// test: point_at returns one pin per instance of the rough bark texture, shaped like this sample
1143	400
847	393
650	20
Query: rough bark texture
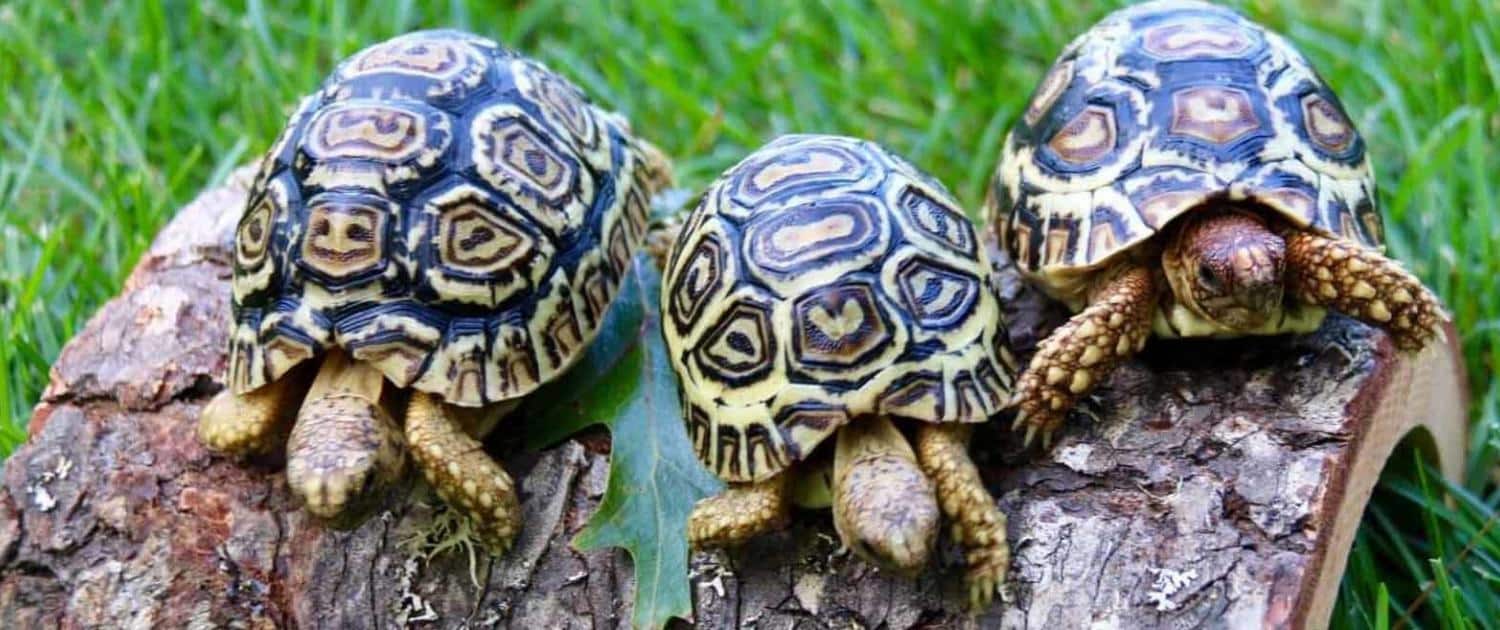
1218	484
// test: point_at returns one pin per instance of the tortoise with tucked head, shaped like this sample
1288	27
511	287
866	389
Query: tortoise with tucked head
439	229
824	288
1183	171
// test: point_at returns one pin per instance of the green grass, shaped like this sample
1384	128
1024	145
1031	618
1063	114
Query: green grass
116	114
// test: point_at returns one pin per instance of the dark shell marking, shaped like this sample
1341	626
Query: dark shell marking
446	210
820	280
1157	109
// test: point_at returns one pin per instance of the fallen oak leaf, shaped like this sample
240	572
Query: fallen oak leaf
625	382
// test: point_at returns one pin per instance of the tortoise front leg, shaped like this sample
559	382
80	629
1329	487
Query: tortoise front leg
978	525
253	423
741	512
1083	351
1363	284
461	472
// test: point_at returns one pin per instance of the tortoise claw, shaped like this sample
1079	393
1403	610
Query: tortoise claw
977	522
1366	285
1042	427
982	591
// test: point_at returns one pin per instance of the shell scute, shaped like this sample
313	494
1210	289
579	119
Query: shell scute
453	213
1158	109
821	280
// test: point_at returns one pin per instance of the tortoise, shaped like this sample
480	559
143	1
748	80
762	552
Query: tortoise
825	288
1183	171
439	230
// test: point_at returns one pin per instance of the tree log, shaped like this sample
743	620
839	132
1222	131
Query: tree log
1214	482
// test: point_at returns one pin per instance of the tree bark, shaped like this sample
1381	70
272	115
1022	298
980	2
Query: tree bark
1218	483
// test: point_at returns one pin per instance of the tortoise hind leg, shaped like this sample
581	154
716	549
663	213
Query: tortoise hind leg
1083	351
1363	284
740	513
658	167
978	525
457	467
253	423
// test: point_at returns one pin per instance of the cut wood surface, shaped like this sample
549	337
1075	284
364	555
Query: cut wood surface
1218	483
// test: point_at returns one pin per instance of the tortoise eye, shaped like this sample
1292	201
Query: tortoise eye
1206	276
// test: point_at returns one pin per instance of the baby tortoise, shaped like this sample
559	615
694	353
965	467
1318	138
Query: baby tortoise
442	226
1183	171
824	287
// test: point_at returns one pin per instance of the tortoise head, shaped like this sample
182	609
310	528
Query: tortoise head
886	512
1227	265
344	457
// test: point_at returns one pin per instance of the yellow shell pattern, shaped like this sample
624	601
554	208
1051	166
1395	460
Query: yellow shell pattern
1158	109
451	212
820	280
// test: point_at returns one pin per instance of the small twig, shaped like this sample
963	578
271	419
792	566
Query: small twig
1447	570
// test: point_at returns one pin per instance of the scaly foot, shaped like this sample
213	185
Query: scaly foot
1365	285
461	472
739	513
978	524
1082	352
253	423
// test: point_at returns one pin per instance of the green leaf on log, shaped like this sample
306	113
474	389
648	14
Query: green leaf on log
625	383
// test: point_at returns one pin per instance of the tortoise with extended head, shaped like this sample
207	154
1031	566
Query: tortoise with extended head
440	229
824	288
1183	171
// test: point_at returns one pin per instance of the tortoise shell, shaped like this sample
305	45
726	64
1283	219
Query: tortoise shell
1158	109
820	280
447	210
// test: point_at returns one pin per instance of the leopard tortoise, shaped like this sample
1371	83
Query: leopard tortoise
824	288
1182	170
437	232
